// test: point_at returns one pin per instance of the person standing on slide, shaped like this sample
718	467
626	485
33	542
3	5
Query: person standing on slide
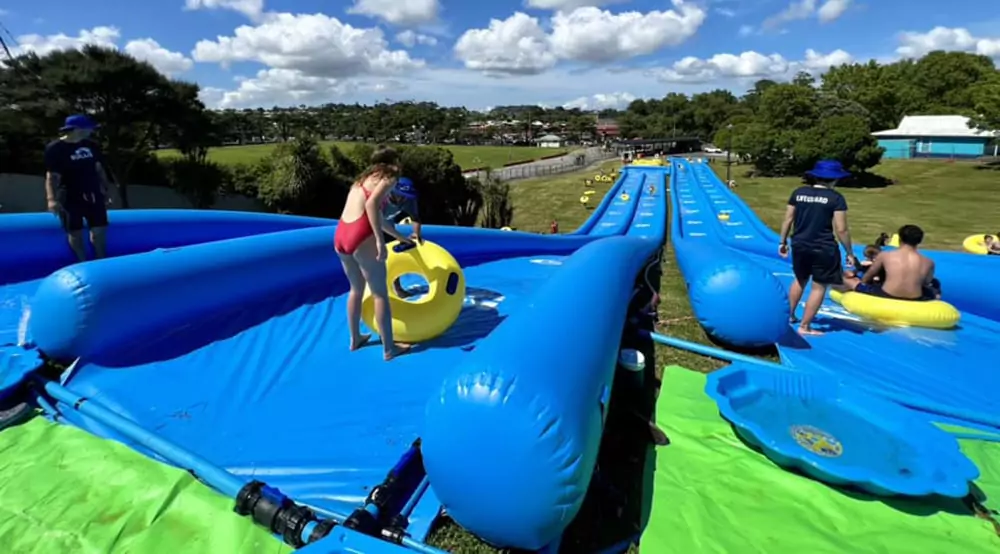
816	212
76	185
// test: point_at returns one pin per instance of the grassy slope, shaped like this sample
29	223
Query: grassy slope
465	156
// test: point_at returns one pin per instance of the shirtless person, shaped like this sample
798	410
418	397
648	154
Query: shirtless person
909	275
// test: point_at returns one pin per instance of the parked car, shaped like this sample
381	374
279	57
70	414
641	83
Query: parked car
709	149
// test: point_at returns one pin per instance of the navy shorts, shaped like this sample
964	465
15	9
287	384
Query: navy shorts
74	216
822	265
875	289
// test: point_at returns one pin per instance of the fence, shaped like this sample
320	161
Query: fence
574	161
939	151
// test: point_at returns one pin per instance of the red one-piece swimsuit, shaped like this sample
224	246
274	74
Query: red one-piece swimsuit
351	234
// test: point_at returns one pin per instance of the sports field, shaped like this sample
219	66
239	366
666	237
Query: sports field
468	157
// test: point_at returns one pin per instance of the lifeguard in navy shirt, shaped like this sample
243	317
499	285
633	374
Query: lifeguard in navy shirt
76	185
818	215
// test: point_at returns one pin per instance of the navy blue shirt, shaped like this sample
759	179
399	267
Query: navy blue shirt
76	163
814	208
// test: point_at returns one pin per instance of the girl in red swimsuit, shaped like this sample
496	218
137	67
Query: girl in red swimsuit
360	243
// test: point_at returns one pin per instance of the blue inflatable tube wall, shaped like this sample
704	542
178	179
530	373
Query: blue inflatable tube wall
34	245
149	294
511	440
736	300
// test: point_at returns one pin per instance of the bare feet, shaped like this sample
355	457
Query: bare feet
809	332
793	320
397	351
362	340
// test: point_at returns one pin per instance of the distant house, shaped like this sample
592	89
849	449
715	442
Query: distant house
934	136
607	128
550	141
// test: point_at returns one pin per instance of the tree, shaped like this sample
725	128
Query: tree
299	180
498	212
446	197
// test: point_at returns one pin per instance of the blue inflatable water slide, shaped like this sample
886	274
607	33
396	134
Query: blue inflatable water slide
738	288
217	342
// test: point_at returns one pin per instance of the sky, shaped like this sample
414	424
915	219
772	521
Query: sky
591	54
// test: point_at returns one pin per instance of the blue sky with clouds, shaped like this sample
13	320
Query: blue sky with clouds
586	53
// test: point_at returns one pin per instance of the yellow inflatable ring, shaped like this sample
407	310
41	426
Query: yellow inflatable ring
407	221
506	229
590	192
932	314
584	199
432	314
893	241
976	244
723	217
624	197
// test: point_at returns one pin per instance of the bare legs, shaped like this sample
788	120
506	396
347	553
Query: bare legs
357	280
363	269
77	244
816	294
98	237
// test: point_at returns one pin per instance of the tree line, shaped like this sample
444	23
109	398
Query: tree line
780	127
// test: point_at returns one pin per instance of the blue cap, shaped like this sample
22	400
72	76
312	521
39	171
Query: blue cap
405	188
79	121
828	169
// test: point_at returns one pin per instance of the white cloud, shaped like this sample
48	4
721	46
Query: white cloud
520	44
799	10
915	45
254	9
748	65
517	45
398	12
309	58
316	45
42	45
410	39
612	101
831	10
167	62
725	12
565	5
145	49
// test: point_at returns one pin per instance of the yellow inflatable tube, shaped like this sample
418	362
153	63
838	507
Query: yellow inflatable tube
932	314
649	162
976	244
432	314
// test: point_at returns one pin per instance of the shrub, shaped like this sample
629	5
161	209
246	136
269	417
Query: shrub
498	211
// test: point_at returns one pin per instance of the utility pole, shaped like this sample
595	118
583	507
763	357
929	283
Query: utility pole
729	152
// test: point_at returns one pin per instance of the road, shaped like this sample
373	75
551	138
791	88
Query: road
540	168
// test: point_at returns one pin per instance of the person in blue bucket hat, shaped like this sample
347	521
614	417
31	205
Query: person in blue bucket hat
77	184
818	215
402	204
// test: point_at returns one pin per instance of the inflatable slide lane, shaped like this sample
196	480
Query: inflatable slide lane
947	371
232	359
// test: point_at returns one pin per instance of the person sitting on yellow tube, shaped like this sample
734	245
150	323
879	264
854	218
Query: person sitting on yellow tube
870	253
992	245
909	275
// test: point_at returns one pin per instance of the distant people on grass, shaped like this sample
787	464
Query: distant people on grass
402	204
816	212
360	243
77	184
906	273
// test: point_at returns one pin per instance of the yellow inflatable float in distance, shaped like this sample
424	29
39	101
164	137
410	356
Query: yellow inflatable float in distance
930	314
976	244
430	315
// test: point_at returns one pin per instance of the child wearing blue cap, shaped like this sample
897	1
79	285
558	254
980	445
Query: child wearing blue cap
402	204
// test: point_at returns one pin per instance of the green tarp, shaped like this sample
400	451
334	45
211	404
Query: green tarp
711	494
65	491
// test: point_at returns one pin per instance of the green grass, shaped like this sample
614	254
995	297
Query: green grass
468	157
949	200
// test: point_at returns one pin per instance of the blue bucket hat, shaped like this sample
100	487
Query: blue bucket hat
405	188
78	121
828	169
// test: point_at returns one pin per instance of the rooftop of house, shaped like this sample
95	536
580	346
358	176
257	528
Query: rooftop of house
952	126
